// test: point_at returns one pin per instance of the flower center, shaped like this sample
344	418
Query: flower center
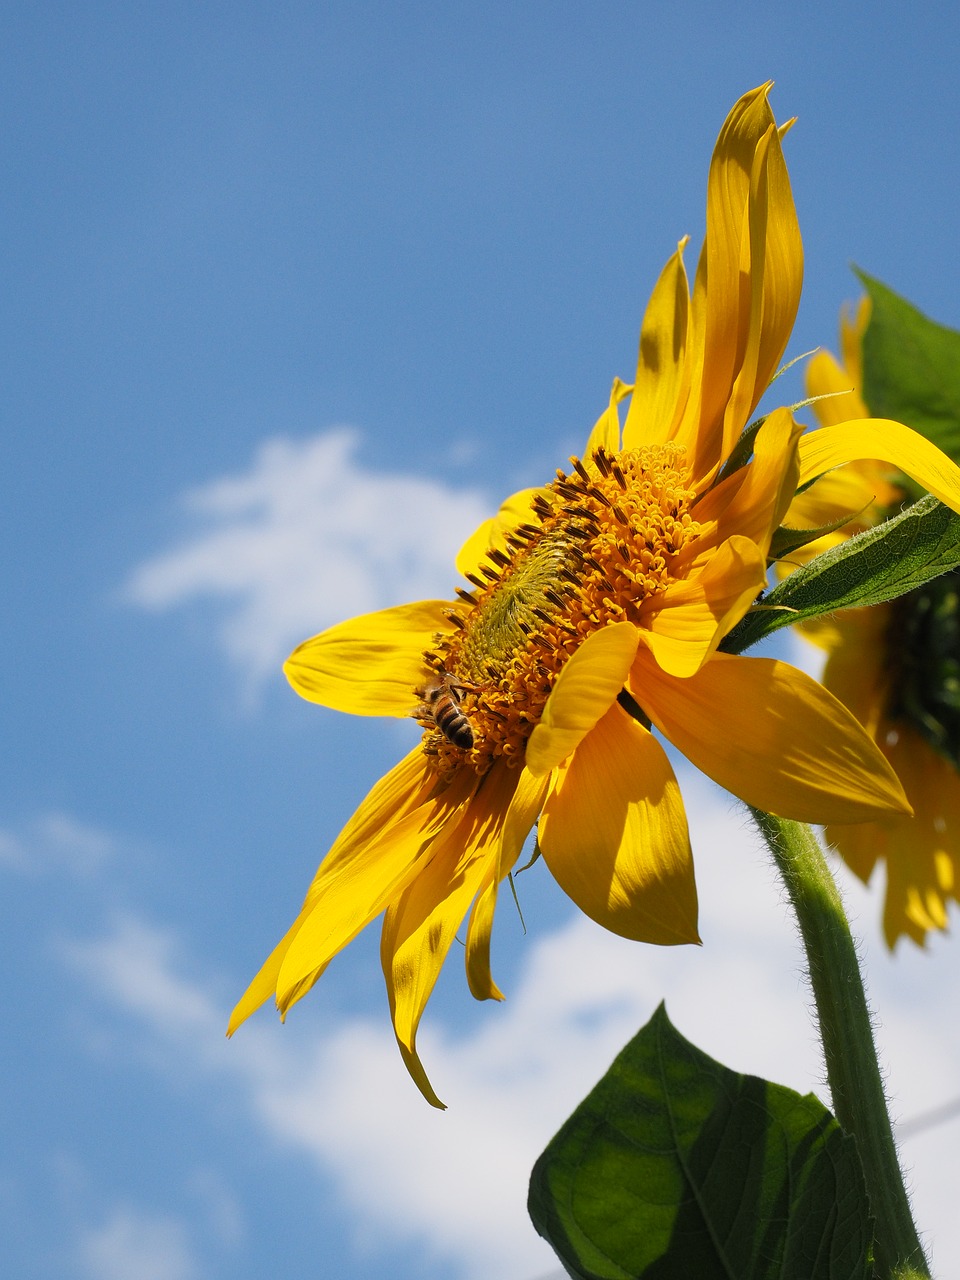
600	543
923	663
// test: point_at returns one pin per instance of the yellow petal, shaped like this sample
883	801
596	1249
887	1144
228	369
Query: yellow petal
614	835
264	984
753	500
856	671
663	372
521	814
890	441
772	258
404	789
748	280
493	532
860	492
853	325
371	665
419	928
922	853
840	399
585	688
606	432
373	859
773	737
688	621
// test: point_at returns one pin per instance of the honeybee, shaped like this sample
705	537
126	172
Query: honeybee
441	705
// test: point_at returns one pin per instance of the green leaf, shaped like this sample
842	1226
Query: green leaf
875	566
675	1166
911	368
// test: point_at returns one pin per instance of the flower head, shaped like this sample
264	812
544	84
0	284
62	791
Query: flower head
595	610
896	666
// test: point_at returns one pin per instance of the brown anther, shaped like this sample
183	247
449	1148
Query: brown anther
602	461
476	580
583	512
498	557
487	572
618	475
598	495
619	515
555	598
466	596
580	469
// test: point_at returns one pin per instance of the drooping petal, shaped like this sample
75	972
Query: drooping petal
890	441
493	532
419	927
690	618
614	835
663	371
857	670
525	805
585	688
405	789
921	854
606	431
772	736
264	984
370	665
379	851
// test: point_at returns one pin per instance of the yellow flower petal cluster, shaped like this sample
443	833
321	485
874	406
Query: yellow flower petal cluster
866	654
594	613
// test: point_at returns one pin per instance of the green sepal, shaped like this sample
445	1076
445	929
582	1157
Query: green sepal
742	451
674	1165
877	565
786	539
911	368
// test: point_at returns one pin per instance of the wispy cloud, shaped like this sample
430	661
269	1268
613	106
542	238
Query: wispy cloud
59	842
311	533
410	1175
135	1245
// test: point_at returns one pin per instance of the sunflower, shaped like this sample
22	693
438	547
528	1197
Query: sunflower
896	667
594	613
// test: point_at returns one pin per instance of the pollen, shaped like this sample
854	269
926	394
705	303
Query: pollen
600	543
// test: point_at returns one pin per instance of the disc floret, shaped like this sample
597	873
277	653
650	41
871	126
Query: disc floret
601	542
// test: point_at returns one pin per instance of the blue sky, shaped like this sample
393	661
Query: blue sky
292	295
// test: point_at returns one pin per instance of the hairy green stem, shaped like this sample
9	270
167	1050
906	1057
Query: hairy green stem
853	1071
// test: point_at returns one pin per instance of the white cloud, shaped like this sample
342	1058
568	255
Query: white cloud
455	1183
309	534
57	842
134	1245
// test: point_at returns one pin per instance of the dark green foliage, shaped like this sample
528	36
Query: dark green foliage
911	368
675	1168
880	564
